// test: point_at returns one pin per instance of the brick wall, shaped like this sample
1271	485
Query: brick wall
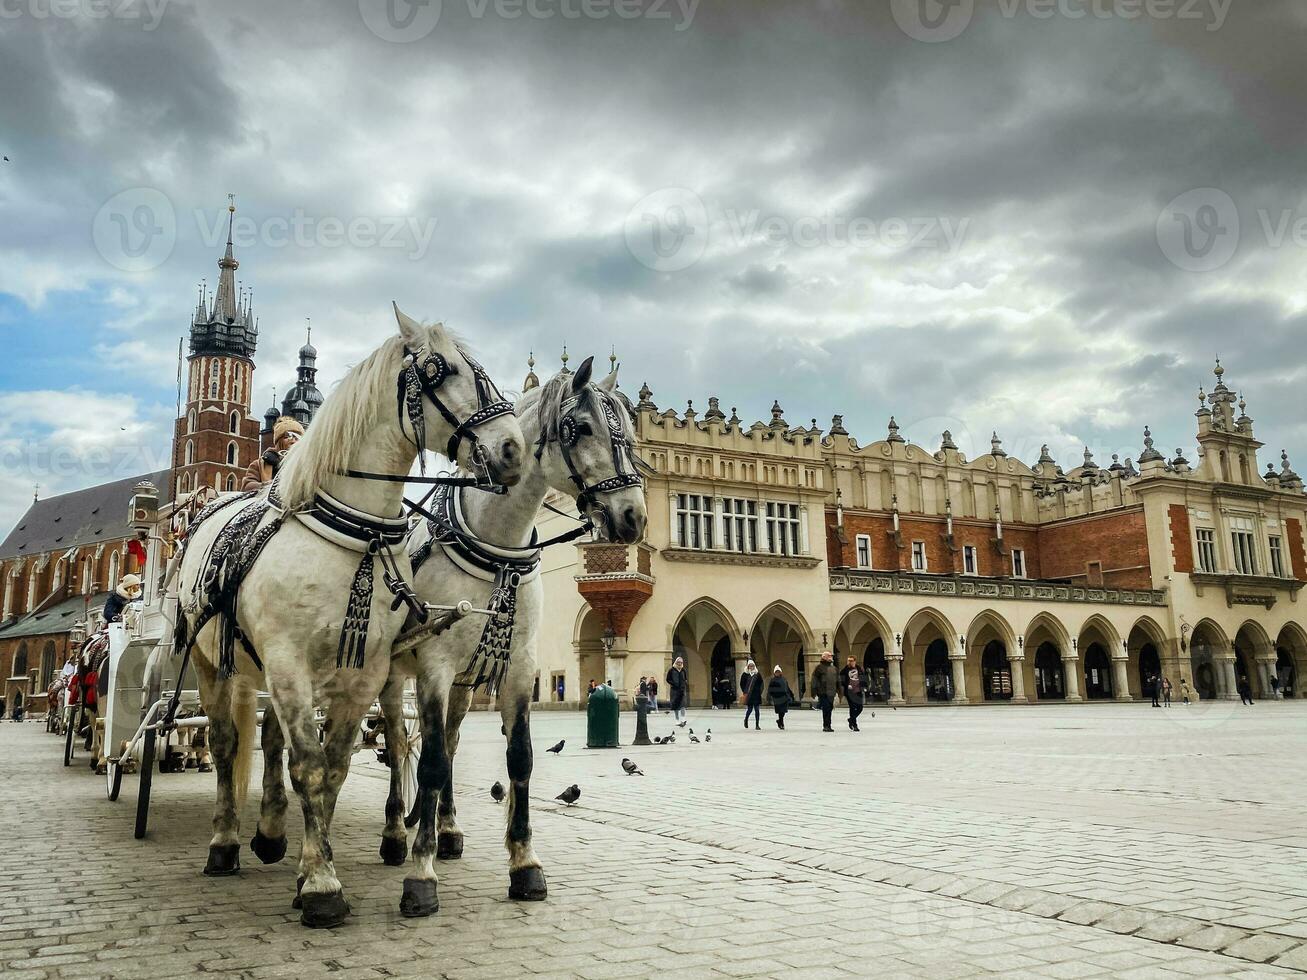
1297	555
604	558
930	531
1182	549
1116	541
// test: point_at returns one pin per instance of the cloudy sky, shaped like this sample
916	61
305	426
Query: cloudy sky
1044	217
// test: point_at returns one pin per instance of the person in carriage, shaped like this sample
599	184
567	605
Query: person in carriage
95	682
285	433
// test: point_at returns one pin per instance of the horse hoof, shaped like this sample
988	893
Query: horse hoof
323	911
298	902
419	898
269	850
394	851
449	846
224	859
527	885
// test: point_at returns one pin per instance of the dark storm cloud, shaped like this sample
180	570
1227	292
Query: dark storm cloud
1035	155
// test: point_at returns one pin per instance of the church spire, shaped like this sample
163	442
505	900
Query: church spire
225	308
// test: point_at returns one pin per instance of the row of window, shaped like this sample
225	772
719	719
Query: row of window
233	422
708	523
34	597
970	557
1243	549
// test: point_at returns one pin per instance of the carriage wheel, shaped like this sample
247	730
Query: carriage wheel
147	775
69	736
113	775
408	774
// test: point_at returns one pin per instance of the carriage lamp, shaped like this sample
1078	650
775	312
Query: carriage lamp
77	633
609	638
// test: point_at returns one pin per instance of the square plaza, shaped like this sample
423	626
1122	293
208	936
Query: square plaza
1076	841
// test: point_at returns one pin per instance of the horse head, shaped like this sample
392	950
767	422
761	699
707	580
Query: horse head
587	447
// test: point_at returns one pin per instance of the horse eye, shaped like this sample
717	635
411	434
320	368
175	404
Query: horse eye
583	429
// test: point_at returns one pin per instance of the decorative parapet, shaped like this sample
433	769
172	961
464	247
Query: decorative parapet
723	557
977	587
1246	590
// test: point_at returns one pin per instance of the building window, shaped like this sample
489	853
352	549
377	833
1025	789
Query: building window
969	561
9	595
189	456
918	556
190	421
694	519
1018	563
864	551
113	571
1243	545
1277	556
231	454
740	525
231	483
86	577
31	590
1206	550
233	422
782	528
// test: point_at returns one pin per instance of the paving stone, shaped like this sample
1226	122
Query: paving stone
1213	937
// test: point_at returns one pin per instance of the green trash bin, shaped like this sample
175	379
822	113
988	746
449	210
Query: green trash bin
601	714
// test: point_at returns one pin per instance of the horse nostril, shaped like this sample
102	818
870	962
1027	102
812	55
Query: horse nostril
508	451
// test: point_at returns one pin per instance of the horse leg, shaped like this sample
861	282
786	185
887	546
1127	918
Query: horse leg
217	695
526	880
449	843
343	724
394	839
421	895
269	842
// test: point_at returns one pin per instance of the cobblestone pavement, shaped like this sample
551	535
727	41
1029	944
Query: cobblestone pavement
1058	841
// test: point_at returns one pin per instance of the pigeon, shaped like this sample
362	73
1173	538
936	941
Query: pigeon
630	768
658	740
497	792
707	737
557	748
694	738
570	795
670	739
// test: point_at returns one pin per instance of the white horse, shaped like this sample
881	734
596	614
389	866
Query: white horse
484	550
312	621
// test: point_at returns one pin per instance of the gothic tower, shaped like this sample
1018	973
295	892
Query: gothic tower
215	439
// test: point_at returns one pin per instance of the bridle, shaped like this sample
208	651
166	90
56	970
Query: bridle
625	465
421	377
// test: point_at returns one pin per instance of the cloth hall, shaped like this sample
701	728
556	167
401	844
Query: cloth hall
952	580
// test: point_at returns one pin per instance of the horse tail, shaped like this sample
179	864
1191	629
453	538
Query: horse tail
245	716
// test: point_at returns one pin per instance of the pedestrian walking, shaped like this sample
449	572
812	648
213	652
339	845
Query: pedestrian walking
825	684
851	685
1166	691
780	695
751	683
1184	691
1245	691
653	693
1155	687
678	682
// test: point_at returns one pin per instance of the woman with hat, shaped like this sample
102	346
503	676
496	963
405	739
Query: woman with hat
285	433
129	590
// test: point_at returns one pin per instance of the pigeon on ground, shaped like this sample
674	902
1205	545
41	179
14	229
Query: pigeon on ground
630	768
694	738
873	714
557	748
670	739
707	737
497	792
658	740
570	795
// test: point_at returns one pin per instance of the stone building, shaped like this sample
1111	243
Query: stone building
950	579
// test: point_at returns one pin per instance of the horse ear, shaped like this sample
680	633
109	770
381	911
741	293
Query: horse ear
414	333
582	376
609	384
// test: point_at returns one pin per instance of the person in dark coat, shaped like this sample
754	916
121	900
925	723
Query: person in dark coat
852	685
678	682
751	683
825	684
780	695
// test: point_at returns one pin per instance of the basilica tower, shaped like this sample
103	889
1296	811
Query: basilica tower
215	438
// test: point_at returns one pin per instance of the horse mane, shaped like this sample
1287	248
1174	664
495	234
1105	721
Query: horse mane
341	424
